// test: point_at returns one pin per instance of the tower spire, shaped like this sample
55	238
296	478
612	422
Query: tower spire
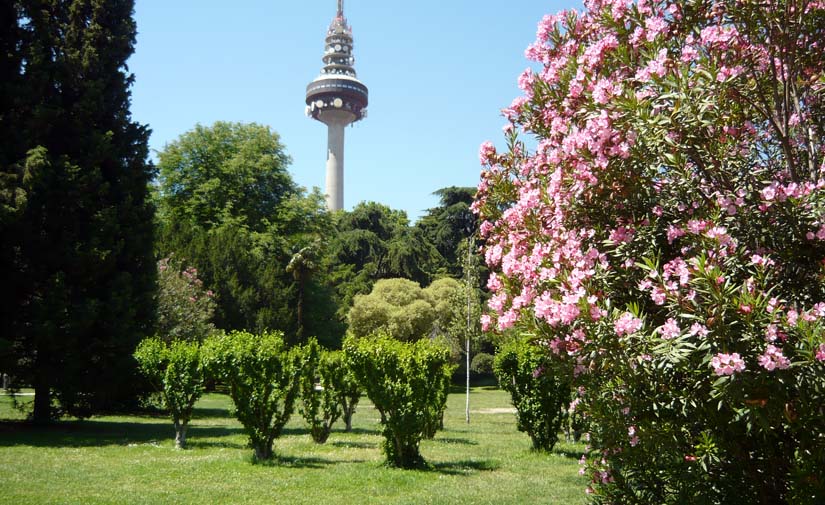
340	8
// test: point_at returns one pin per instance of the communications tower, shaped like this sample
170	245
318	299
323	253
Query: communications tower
337	98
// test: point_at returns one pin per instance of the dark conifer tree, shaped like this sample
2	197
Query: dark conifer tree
77	240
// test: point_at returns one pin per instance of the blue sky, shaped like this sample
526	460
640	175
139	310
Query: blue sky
439	72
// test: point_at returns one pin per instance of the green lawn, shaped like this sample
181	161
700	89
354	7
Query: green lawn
133	460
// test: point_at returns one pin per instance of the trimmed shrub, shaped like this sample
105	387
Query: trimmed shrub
539	393
482	363
405	382
177	371
345	385
320	405
263	378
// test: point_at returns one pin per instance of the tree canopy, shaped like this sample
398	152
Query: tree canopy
227	170
230	208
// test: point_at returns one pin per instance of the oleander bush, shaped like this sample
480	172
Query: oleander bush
664	234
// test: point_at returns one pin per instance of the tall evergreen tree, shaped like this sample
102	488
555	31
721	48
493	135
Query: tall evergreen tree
448	225
76	219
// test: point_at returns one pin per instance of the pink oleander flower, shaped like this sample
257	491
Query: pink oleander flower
698	329
727	364
674	232
507	320
696	227
658	295
486	153
761	261
793	316
622	234
773	358
486	322
670	329
820	353
627	324
634	439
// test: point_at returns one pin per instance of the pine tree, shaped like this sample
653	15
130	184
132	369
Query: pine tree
80	243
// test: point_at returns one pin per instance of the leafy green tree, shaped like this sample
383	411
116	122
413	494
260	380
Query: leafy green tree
185	307
264	379
539	392
230	208
75	217
176	369
320	395
227	169
397	307
405	382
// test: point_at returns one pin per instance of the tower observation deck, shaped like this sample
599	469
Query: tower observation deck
337	98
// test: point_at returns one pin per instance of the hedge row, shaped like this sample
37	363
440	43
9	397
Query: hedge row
407	382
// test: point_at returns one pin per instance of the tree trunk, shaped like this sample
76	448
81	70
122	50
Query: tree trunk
180	435
263	450
42	401
301	310
349	409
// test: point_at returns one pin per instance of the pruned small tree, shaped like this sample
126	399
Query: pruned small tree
346	388
177	370
403	381
263	377
440	381
320	404
539	392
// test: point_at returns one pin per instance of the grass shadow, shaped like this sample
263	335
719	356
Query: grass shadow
300	462
93	433
567	453
457	441
206	444
354	445
463	467
360	431
204	413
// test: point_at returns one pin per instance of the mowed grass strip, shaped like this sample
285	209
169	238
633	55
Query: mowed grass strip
132	460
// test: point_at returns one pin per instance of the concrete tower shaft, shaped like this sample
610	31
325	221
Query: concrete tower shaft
337	98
